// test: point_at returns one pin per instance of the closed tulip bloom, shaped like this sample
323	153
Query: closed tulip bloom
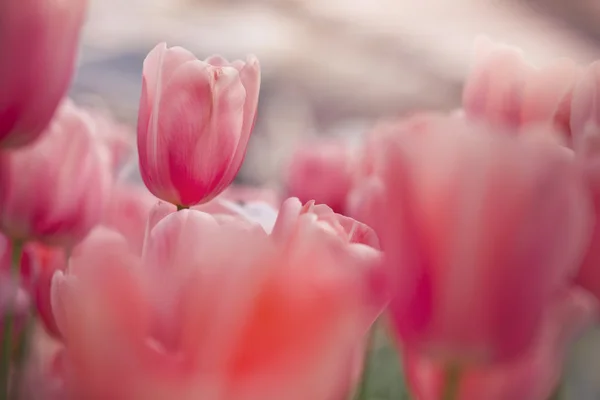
468	219
54	190
533	376
194	320
39	40
194	123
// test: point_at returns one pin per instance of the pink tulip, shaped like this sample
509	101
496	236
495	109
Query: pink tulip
49	260
468	220
117	138
56	189
32	286
585	114
321	170
194	123
39	41
585	124
533	376
344	227
127	212
195	320
505	90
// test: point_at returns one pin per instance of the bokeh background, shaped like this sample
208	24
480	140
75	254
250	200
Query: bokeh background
331	67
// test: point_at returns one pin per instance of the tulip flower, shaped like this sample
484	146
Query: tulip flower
194	123
505	90
533	376
39	40
321	171
56	189
585	125
468	219
193	319
127	212
117	138
344	227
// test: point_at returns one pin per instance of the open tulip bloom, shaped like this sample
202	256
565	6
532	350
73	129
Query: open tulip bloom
448	256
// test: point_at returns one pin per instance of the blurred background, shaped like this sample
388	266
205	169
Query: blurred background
331	67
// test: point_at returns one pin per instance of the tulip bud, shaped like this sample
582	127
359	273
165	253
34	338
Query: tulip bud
468	214
38	39
194	123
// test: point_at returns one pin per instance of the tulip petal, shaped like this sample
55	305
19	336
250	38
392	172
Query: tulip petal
200	116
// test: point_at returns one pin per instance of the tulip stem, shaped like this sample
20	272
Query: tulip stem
21	353
558	393
452	382
362	392
7	331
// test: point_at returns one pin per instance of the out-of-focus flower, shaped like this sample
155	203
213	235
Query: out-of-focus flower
37	266
54	190
344	227
194	123
119	139
585	125
47	260
127	212
39	41
585	113
464	214
269	321
321	170
533	376
506	91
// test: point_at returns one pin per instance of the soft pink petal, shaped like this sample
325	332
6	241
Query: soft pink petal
250	78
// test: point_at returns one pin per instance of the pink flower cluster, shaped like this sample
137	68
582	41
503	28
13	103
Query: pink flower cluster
478	245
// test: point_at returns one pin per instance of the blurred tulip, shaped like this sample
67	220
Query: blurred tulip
56	189
585	124
533	376
194	123
344	227
194	319
585	114
127	212
321	171
505	90
39	40
37	266
15	291
465	214
119	139
48	260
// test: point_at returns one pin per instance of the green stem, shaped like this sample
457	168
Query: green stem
362	392
7	332
179	208
558	393
21	353
452	382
